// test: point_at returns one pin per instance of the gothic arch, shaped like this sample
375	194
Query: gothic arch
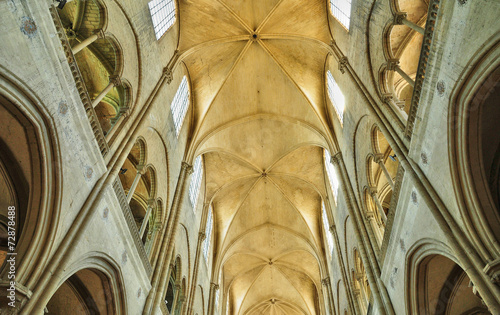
94	284
31	181
436	283
474	150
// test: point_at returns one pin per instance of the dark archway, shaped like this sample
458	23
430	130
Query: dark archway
88	291
443	288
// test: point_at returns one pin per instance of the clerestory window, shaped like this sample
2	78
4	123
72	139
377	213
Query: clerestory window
332	174
326	226
208	234
163	15
341	10
194	186
179	105
336	96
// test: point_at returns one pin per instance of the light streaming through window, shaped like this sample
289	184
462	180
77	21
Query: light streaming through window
163	15
326	226
194	186
341	10
208	234
180	104
332	175
217	299
335	95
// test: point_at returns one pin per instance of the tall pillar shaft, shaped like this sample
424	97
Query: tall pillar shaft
199	246
401	19
113	82
160	275
379	206
134	184
87	41
211	302
379	160
393	65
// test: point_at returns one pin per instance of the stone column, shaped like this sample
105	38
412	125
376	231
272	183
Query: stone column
115	121
328	286
393	65
199	246
380	161
160	276
134	183
343	271
211	302
177	294
382	302
373	193
146	218
400	19
370	216
113	82
182	301
87	41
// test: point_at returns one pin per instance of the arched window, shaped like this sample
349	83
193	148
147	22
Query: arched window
194	186
326	226
332	175
208	234
179	105
341	10
163	15
335	95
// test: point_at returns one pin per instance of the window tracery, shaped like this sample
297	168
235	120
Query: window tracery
179	105
194	186
208	231
336	96
329	237
341	10
332	174
163	15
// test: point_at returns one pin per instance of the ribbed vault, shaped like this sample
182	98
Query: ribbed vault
257	73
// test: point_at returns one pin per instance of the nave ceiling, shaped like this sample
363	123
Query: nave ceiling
259	117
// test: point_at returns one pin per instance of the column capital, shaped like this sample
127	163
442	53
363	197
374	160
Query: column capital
326	281
202	236
187	167
214	286
332	44
387	97
343	62
399	17
100	34
392	64
378	158
332	228
335	159
139	168
115	80
167	73
372	191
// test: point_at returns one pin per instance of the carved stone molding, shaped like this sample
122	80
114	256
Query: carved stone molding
187	167
326	281
168	75
422	65
202	236
392	64
492	270
343	62
80	83
399	17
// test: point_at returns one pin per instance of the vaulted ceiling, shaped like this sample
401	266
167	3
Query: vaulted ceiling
261	121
